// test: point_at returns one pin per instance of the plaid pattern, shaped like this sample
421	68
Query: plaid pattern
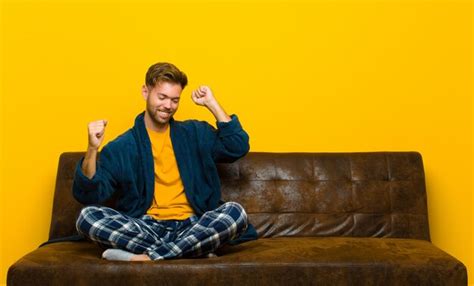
162	239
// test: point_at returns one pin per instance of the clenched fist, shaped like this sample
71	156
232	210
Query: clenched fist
203	96
96	133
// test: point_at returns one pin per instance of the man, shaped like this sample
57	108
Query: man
164	175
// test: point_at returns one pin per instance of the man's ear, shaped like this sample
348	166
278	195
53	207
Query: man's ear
145	92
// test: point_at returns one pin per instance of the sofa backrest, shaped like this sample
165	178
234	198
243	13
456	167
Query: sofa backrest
373	194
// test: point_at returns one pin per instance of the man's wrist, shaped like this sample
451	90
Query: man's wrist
213	106
92	150
218	112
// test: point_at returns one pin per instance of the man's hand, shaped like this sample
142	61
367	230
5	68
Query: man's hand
203	96
96	133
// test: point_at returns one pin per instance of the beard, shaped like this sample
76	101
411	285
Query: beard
159	117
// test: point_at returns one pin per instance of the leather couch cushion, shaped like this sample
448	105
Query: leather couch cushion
271	261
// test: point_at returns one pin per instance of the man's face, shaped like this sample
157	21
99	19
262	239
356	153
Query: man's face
162	101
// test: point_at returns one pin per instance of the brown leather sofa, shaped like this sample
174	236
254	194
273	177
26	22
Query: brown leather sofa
322	219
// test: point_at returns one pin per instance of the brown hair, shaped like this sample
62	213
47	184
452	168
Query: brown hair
165	72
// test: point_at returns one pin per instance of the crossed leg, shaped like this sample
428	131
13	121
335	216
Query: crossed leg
110	228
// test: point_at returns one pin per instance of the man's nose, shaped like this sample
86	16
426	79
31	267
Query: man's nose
167	103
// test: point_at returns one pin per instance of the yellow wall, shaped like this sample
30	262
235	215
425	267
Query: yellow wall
316	76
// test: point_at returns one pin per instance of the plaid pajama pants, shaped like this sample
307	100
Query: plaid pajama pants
163	239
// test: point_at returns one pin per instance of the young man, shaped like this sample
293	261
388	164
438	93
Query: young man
164	175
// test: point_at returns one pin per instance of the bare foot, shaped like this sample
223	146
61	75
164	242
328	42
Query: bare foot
140	257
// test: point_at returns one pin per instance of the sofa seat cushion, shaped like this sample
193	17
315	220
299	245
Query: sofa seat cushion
289	261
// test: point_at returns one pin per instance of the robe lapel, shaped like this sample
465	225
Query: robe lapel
183	158
146	161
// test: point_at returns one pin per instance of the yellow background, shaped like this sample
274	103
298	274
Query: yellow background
315	76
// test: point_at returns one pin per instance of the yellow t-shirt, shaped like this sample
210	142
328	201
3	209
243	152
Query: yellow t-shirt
169	202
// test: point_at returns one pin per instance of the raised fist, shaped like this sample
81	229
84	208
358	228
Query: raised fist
96	133
203	96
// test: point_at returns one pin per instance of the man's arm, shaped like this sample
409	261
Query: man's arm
229	142
96	132
95	183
